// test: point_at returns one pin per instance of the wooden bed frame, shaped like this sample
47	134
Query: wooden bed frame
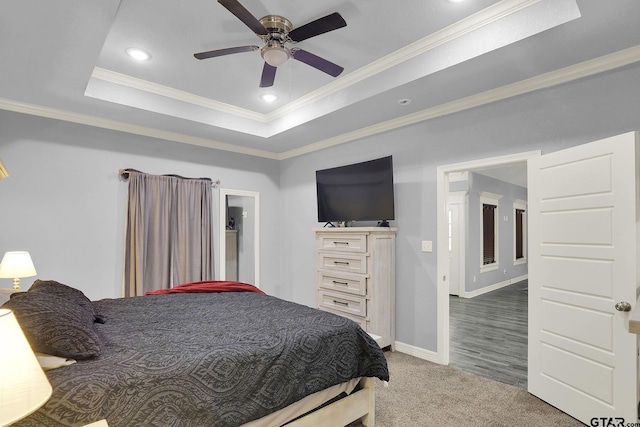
360	404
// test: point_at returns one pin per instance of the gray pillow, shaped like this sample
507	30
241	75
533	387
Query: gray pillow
67	292
55	325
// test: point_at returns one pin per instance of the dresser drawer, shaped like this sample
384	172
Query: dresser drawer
343	262
361	321
344	303
342	242
342	282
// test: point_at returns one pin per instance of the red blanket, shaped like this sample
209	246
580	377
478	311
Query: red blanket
208	286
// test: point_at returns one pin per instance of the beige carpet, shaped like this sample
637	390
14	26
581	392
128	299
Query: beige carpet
423	394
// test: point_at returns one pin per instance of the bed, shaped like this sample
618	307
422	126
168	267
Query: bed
222	355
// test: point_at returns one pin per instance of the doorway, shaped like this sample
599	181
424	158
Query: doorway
443	255
488	309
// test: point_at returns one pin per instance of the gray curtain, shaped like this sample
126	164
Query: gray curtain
169	238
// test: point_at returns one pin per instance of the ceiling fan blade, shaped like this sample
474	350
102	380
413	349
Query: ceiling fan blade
245	16
268	75
227	51
317	62
319	26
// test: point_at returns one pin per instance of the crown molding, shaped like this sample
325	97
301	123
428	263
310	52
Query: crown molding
179	95
471	23
542	81
85	119
466	25
553	78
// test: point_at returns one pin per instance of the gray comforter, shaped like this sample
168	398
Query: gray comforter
206	359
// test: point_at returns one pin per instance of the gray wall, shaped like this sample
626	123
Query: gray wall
509	193
64	203
548	120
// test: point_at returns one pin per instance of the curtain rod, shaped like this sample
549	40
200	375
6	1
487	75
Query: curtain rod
124	174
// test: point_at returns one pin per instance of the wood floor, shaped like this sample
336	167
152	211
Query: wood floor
488	334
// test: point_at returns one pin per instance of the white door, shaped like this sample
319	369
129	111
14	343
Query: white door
454	249
456	231
582	243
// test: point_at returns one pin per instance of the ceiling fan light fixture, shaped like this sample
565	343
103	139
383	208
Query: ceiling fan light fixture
275	54
276	32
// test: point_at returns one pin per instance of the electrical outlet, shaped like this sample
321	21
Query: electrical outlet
505	271
244	214
427	246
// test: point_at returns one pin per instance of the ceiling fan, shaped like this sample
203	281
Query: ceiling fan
276	32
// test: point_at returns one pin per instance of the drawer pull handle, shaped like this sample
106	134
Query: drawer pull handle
345	304
341	262
341	243
335	282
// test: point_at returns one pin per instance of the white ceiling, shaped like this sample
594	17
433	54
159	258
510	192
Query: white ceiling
66	60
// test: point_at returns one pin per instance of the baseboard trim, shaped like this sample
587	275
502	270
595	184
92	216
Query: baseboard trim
493	287
420	353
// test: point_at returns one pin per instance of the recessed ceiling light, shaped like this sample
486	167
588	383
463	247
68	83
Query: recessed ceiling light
268	97
455	1
405	101
138	54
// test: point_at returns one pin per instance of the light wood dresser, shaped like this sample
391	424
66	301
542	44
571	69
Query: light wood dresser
355	277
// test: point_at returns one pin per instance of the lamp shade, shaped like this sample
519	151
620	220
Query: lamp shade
23	385
17	264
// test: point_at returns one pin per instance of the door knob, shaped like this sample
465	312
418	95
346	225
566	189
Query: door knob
623	306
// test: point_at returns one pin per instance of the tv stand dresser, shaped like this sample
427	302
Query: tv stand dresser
355	277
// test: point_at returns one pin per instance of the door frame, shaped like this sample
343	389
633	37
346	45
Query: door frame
442	268
222	226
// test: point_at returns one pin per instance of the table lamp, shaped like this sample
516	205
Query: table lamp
24	387
16	265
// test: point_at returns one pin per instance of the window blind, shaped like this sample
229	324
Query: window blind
488	234
519	233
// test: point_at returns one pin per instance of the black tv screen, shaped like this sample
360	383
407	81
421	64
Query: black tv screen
357	192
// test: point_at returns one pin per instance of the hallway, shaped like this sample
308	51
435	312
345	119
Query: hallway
488	334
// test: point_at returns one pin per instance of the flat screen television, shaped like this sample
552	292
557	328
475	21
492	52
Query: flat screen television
356	192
